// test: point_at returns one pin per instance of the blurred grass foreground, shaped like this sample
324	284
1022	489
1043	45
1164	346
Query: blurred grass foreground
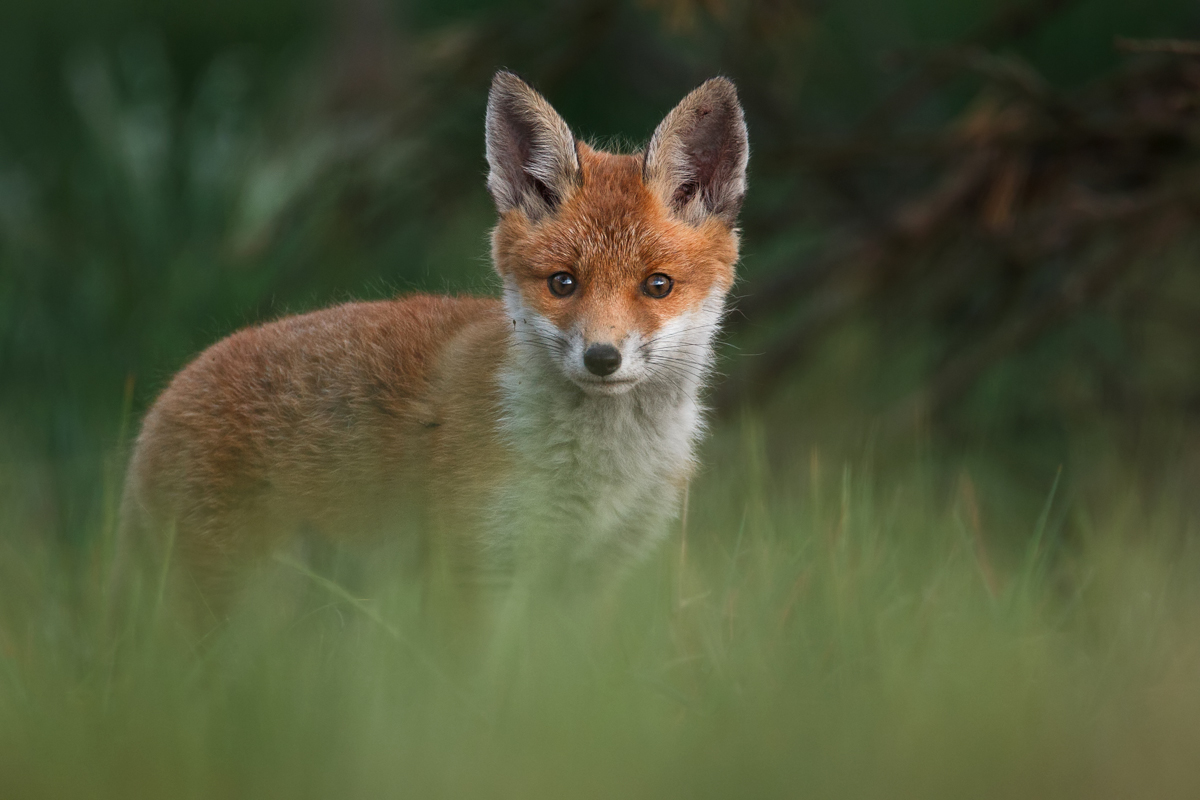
945	538
850	640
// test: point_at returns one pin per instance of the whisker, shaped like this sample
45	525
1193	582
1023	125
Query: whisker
539	336
702	326
544	347
545	340
695	362
683	368
673	334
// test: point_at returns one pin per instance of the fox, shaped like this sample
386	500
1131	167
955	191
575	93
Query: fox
555	424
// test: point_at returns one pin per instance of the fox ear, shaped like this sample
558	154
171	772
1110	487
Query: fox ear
696	161
530	150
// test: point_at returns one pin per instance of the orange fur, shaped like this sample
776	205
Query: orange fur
396	418
613	235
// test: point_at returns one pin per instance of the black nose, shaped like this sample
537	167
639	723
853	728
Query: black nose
602	359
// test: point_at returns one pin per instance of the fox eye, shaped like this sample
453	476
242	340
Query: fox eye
658	285
562	284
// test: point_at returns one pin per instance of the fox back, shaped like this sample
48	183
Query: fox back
554	426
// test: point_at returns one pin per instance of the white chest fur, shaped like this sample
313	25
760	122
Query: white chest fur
595	476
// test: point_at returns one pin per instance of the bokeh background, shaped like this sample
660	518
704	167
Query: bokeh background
944	541
971	224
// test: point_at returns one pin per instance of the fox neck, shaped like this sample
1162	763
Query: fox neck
663	410
545	409
607	469
538	395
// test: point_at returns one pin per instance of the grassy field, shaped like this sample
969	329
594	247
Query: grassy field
822	629
1001	601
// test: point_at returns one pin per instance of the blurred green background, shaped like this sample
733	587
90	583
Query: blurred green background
171	171
943	542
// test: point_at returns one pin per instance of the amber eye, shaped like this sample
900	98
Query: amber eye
562	284
658	285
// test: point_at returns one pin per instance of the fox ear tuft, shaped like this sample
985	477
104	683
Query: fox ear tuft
530	150
696	160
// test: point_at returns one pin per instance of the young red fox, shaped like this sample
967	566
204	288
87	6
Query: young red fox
557	423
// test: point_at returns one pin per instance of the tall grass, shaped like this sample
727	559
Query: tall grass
872	625
822	630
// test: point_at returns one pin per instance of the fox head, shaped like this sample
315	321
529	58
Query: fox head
616	267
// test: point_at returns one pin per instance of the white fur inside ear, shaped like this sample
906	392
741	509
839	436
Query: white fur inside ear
696	161
531	154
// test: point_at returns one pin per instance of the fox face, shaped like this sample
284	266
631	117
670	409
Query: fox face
616	267
558	429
